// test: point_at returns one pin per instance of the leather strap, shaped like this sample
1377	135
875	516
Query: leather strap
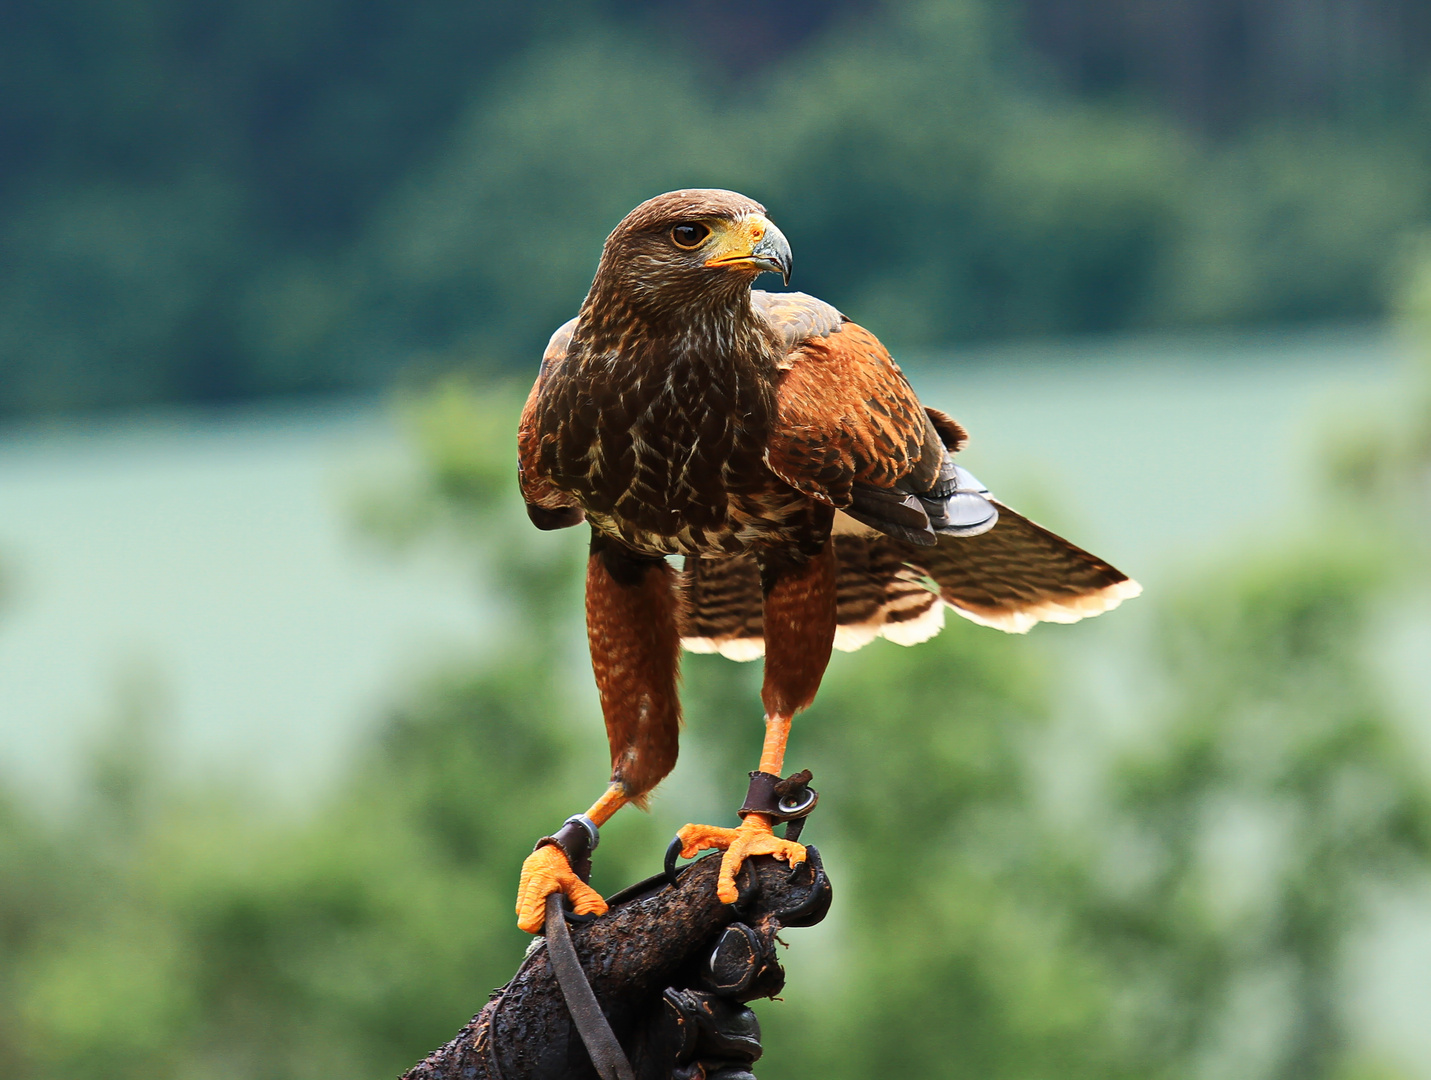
577	839
591	1023
780	800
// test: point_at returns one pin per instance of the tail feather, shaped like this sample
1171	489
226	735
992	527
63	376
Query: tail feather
881	594
1019	574
1013	576
723	609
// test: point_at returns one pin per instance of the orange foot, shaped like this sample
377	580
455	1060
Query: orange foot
546	871
754	837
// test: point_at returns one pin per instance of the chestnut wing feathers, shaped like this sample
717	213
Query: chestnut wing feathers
846	416
850	432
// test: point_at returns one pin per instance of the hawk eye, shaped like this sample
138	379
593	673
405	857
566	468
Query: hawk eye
689	234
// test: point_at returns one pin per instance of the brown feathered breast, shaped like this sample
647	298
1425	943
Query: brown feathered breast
662	443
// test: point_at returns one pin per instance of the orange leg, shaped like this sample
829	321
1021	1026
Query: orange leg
772	752
799	634
602	809
635	653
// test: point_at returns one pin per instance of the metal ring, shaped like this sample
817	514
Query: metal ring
796	801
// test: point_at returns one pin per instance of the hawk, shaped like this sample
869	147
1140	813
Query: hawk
777	448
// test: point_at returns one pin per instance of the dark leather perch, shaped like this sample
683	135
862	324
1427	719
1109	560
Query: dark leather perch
672	969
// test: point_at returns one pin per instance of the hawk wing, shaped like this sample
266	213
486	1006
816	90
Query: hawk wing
547	505
1019	574
850	431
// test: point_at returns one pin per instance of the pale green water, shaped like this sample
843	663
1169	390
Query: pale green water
208	563
210	558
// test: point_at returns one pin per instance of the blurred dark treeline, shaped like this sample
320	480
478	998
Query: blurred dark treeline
1224	64
202	202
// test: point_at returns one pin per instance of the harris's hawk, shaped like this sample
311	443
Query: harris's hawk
778	449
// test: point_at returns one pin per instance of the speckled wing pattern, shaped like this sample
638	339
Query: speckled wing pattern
547	505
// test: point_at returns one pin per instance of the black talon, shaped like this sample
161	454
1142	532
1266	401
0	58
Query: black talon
571	916
673	852
816	903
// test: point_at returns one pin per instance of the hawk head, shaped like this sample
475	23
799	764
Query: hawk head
692	247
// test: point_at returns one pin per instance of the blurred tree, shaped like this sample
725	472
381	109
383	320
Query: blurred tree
211	204
1249	830
1224	63
1383	463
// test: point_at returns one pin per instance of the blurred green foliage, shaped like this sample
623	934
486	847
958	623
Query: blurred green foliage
208	203
1185	911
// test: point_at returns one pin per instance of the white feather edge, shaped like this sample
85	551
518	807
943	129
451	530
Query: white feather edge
902	632
740	649
855	636
918	629
1025	619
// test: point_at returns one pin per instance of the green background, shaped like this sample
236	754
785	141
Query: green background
1172	843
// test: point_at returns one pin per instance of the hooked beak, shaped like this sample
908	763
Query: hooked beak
753	242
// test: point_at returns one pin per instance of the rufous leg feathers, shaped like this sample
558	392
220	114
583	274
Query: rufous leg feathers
801	615
632	620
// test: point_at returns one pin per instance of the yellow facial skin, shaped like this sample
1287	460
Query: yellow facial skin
752	243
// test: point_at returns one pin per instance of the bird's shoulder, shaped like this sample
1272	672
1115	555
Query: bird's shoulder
846	415
828	356
557	348
796	317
